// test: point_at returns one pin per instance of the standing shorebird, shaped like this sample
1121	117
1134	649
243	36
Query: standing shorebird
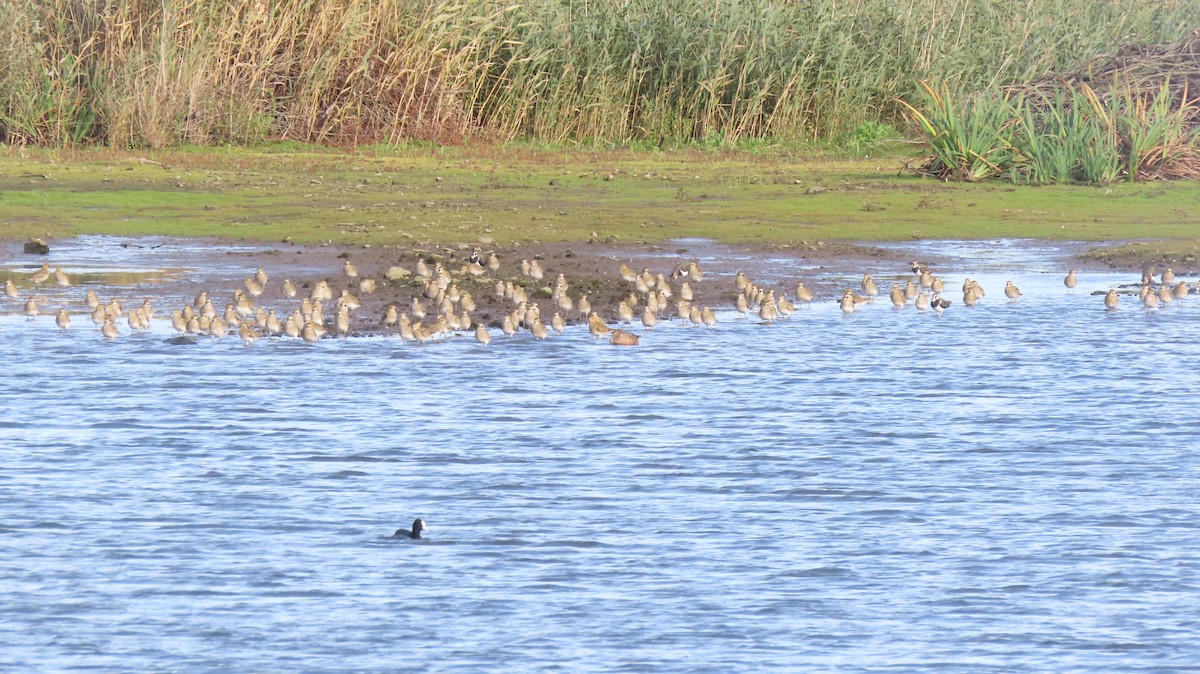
1165	296
247	334
869	286
1011	291
1070	281
39	277
803	294
939	303
847	302
1111	300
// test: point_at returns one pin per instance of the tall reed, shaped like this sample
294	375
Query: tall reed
164	72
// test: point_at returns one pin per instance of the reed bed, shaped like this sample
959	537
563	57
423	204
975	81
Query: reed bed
351	72
1132	116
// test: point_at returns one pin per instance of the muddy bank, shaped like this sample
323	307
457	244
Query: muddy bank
1183	257
591	270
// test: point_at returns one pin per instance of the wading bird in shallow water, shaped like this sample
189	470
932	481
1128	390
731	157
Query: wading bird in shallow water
1165	296
1111	300
803	294
622	338
482	335
847	301
597	326
1011	291
869	287
247	334
939	303
418	526
39	277
1070	281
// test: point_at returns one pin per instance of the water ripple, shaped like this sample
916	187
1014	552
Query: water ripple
1004	488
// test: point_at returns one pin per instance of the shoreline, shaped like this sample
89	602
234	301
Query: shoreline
218	267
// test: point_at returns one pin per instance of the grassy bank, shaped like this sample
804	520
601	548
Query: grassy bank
510	195
348	72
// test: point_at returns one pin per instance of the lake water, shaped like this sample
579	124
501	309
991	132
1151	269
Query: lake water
1012	487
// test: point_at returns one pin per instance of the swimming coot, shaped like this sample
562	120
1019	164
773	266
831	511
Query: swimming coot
417	527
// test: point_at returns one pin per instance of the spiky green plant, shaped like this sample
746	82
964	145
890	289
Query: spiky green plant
969	140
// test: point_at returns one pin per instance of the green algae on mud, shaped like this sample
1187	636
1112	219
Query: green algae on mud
511	195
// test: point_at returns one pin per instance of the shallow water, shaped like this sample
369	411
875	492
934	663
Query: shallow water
1011	487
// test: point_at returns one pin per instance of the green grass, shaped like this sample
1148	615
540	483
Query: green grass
521	195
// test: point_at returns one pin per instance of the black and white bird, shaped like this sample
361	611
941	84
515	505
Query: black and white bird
418	526
939	303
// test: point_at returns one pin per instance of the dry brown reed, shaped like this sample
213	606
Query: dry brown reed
171	72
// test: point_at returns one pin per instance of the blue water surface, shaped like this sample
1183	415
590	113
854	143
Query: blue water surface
1011	487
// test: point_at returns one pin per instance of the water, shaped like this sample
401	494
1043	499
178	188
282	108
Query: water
1010	487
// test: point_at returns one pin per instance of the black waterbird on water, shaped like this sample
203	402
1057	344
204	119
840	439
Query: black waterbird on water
418	526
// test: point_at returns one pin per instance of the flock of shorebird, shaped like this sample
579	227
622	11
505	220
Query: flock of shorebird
441	307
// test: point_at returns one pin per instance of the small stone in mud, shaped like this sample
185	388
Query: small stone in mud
37	247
